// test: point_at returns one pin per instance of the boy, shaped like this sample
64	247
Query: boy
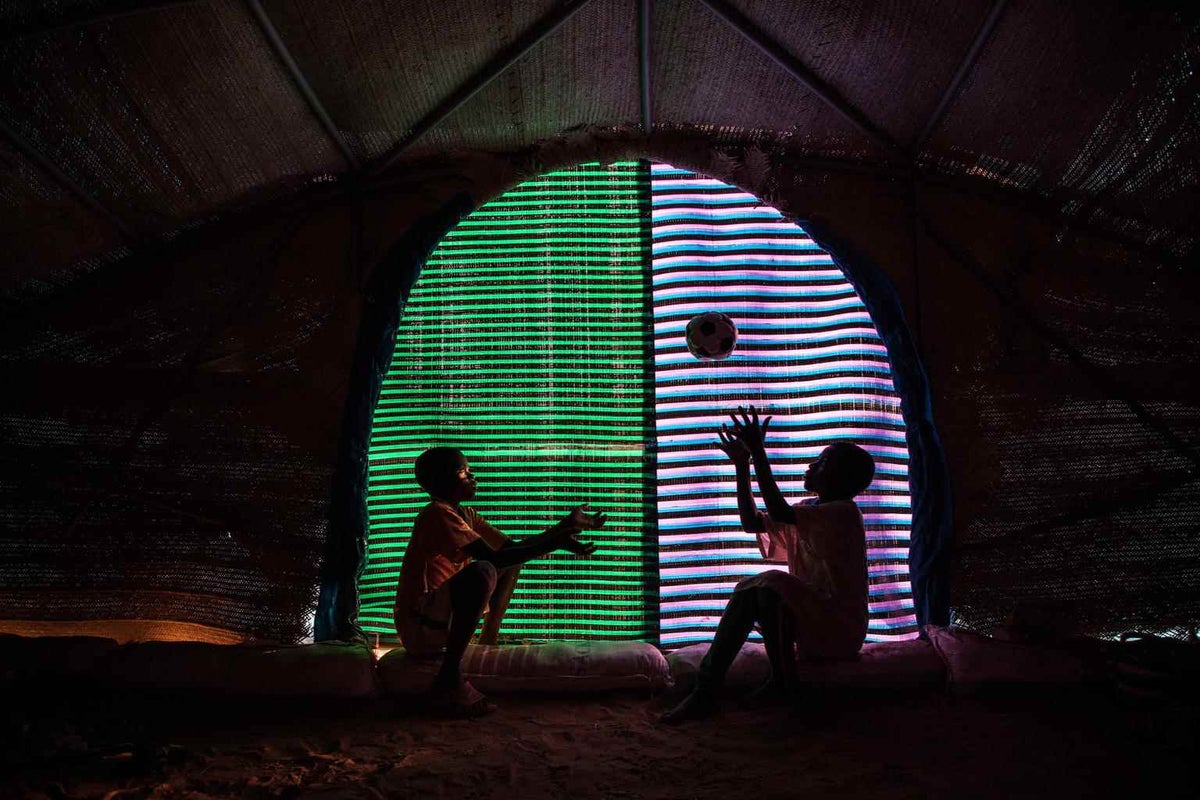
452	568
818	608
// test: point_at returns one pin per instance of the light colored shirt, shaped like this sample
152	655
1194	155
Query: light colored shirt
826	549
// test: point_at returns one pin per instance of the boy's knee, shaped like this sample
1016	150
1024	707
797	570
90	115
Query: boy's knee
768	593
484	574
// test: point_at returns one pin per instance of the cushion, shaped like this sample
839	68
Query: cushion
553	667
37	658
750	668
906	664
975	662
333	669
1148	669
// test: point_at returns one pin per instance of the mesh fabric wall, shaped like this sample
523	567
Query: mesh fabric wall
807	353
525	343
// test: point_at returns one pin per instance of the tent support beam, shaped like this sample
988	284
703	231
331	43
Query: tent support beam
299	81
322	195
473	85
794	67
49	167
77	19
644	9
1095	374
964	69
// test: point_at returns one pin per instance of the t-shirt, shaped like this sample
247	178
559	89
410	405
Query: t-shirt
826	549
435	551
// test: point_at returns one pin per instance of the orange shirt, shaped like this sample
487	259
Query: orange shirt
435	551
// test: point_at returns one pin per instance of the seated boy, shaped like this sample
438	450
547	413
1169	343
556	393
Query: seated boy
452	569
818	608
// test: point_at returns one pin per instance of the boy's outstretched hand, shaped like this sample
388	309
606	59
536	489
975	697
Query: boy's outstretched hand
581	518
732	446
573	545
749	431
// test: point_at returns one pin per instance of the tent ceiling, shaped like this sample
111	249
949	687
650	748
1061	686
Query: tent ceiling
121	127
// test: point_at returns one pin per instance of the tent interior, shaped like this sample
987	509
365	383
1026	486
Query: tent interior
216	209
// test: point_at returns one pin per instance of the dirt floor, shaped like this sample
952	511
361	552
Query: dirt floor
606	746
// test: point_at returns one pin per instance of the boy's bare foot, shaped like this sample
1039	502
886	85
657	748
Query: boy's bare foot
459	700
697	705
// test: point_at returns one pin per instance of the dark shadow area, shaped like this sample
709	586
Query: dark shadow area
93	744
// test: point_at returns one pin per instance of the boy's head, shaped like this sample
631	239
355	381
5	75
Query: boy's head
841	472
445	474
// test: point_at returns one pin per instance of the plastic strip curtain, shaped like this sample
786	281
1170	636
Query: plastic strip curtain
807	353
526	343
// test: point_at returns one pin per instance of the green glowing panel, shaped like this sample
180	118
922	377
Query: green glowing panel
526	343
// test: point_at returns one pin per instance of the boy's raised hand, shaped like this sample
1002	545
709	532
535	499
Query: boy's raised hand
732	446
748	430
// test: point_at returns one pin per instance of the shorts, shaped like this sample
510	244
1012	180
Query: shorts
423	631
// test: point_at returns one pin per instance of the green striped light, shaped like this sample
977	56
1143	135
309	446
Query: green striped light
526	344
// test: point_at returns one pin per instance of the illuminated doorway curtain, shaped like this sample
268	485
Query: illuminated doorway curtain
807	353
544	338
526	344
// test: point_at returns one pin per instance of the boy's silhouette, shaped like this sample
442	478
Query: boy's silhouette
818	608
456	564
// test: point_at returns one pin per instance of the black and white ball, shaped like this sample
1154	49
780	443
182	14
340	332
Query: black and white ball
711	336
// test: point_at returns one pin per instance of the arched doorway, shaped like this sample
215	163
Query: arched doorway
544	338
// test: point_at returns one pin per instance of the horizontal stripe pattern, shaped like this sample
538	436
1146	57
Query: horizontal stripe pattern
545	337
807	353
525	343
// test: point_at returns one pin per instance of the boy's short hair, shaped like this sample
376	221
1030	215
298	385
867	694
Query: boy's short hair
435	468
856	468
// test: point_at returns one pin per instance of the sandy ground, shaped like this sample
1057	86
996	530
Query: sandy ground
606	746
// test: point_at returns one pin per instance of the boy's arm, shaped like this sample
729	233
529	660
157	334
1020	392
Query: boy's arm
753	435
513	553
570	545
728	443
778	508
559	536
747	508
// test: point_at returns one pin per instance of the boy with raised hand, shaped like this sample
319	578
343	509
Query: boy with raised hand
453	568
818	607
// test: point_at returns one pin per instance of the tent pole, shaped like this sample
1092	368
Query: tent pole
794	67
964	69
473	85
36	156
299	81
644	32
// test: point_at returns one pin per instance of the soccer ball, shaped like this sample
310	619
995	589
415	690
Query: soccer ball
711	336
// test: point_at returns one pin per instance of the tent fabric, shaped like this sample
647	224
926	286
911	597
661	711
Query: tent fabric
173	114
186	249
